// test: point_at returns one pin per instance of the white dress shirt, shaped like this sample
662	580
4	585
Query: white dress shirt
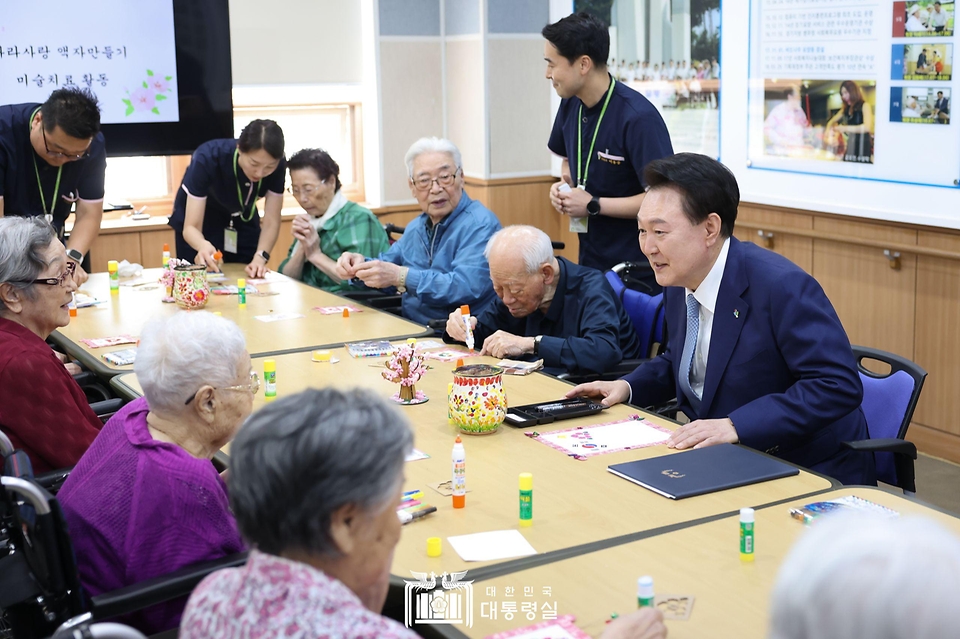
706	294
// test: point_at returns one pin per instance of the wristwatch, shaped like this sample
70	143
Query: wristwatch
264	255
402	280
75	255
593	207
536	344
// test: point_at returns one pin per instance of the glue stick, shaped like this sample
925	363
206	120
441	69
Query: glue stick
645	592
242	292
269	378
465	316
73	305
113	270
166	254
746	534
526	499
459	474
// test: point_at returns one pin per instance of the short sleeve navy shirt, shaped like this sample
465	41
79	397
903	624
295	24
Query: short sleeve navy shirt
79	179
631	135
211	175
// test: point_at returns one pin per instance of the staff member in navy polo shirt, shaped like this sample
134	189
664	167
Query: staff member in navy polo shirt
52	156
216	207
608	132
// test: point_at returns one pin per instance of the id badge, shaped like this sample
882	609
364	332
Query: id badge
230	240
579	224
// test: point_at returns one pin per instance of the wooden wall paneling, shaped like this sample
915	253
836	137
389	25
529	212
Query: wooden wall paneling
114	246
876	303
933	441
151	247
937	341
798	250
282	247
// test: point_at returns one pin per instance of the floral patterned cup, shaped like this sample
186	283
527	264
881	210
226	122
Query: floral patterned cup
190	288
478	404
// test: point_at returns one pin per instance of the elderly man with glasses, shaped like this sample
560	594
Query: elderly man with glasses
42	409
52	156
438	263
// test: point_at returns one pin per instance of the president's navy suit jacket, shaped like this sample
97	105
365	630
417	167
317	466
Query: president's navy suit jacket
780	366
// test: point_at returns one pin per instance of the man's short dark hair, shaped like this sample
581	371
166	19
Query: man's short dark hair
578	35
939	92
74	110
705	186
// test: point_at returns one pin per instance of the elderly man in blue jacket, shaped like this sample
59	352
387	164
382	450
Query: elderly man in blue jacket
548	308
438	263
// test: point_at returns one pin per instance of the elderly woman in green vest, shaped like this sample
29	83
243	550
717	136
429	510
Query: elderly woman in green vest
330	226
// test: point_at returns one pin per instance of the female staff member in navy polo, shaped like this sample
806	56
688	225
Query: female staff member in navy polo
216	207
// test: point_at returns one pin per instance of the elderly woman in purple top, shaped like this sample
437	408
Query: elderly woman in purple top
145	499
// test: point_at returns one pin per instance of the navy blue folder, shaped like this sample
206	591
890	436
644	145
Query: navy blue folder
703	470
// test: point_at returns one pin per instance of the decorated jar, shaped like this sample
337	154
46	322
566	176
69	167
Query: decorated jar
478	404
190	288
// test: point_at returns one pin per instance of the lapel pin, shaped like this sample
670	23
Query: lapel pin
736	313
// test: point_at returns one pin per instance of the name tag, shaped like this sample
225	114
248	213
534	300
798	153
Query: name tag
230	240
607	157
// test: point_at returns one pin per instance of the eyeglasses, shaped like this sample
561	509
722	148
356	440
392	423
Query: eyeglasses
306	190
52	281
425	183
57	154
253	386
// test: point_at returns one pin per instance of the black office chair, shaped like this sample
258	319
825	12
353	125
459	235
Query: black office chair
40	590
888	404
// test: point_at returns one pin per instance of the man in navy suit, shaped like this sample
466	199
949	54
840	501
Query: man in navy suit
756	353
941	109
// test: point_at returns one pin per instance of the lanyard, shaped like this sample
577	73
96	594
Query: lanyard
243	206
36	171
582	181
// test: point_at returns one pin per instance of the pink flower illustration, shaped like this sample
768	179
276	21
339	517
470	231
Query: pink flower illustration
143	99
159	85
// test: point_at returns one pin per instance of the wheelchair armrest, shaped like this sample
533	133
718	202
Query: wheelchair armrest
438	325
558	246
107	407
890	445
164	588
53	480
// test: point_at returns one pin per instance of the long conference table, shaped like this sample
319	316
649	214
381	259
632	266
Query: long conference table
594	533
126	312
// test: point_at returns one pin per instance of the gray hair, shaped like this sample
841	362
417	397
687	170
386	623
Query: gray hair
430	145
22	243
179	354
533	244
858	577
299	459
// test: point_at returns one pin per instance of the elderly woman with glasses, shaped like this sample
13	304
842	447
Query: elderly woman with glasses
438	263
42	409
330	225
145	499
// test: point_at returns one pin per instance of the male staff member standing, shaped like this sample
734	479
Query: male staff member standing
52	156
756	353
608	133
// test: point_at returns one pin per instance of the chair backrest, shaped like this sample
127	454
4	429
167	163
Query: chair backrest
888	401
645	311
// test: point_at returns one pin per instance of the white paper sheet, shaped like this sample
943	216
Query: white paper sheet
490	546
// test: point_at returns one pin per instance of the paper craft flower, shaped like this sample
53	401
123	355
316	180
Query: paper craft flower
406	368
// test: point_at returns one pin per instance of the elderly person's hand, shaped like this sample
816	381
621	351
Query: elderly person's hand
315	481
378	274
455	328
610	393
703	432
347	265
503	344
646	623
306	234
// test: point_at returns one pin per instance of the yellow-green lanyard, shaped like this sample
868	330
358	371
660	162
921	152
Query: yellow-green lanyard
582	181
256	192
56	188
